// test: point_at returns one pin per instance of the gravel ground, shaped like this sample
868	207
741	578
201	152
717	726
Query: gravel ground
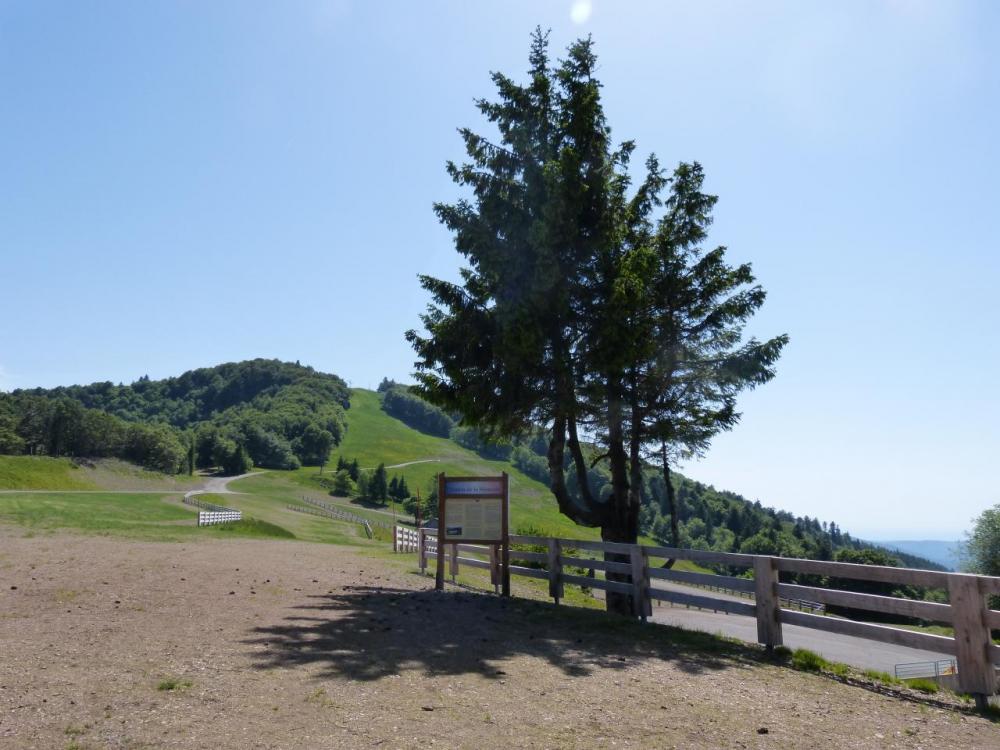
109	643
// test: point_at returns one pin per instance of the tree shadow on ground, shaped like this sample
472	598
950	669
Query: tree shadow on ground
367	633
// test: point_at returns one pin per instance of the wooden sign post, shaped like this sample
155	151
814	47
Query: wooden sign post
474	510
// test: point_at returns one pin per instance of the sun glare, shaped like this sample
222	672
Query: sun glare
581	11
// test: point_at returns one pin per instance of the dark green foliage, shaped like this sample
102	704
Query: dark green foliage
343	485
378	486
870	556
416	412
387	384
580	309
156	447
313	445
530	463
471	438
282	414
62	427
268	449
982	546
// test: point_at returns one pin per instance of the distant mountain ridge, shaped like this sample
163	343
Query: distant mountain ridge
946	553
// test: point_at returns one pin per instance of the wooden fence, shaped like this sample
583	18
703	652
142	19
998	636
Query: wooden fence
204	505
560	562
337	515
346	515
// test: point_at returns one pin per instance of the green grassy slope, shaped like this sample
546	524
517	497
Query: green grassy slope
136	516
45	473
42	473
374	437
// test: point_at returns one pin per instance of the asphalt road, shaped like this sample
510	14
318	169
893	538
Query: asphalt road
857	652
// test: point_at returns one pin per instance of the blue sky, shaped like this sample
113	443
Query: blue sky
184	183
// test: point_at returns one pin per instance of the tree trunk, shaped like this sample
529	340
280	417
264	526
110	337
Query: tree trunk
622	524
675	530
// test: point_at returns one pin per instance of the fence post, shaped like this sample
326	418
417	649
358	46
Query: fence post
495	568
422	550
454	562
640	582
555	570
972	637
765	576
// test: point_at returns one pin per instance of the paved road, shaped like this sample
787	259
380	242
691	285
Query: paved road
219	485
857	652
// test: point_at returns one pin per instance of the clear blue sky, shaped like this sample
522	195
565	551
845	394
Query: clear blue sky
186	183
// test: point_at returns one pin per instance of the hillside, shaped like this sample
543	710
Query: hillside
285	416
236	415
939	551
709	518
374	437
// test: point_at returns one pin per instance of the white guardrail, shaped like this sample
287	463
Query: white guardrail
212	517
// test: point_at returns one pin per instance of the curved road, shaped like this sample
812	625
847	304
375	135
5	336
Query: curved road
219	485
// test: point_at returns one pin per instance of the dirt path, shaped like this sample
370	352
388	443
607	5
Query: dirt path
292	645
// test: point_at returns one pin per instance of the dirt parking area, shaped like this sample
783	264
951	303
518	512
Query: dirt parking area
109	643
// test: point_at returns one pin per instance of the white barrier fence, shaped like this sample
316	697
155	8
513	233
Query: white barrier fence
212	517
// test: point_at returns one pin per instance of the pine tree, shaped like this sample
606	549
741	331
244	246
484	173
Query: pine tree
579	308
378	488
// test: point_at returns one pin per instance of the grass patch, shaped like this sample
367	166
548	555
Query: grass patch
173	684
923	685
144	516
883	677
809	661
253	527
42	473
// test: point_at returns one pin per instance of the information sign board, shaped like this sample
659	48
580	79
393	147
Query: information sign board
474	510
478	518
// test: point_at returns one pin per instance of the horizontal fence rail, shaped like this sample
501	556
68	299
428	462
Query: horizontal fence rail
193	500
337	515
212	514
639	572
345	514
212	517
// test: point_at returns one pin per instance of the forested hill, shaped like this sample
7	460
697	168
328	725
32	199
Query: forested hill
258	412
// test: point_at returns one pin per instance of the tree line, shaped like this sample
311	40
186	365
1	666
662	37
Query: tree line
260	412
349	480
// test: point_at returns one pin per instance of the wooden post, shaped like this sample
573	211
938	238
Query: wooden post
555	570
454	561
395	538
495	567
640	582
505	548
765	576
972	637
439	577
422	550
